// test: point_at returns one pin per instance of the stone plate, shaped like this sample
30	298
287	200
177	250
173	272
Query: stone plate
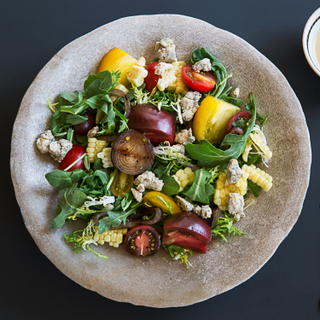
158	281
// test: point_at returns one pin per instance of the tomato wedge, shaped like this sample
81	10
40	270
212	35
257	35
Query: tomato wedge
202	82
187	230
243	115
151	79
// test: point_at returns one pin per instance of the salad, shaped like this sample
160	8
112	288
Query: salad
157	155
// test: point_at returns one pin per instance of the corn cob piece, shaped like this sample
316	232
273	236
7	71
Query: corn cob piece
184	177
105	156
258	176
260	144
113	237
178	86
94	147
222	191
137	72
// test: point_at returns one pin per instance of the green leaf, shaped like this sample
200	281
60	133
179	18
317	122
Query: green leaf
198	190
254	188
69	200
209	156
114	219
171	186
64	179
102	175
225	227
69	98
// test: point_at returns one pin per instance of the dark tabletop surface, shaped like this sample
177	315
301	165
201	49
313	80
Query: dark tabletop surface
287	287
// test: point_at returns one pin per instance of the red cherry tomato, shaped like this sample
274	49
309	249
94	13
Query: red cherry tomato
82	129
75	153
187	230
240	115
151	79
157	126
142	241
202	82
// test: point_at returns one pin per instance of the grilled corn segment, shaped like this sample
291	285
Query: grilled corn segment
259	143
113	237
184	177
94	147
258	176
178	86
222	191
105	156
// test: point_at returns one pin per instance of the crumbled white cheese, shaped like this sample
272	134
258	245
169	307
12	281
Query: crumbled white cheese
141	188
167	50
136	194
203	211
149	180
234	173
235	204
184	204
93	132
185	136
235	93
167	73
44	141
189	104
179	148
202	65
206	212
105	200
58	149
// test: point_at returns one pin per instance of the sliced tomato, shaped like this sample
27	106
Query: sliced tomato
142	240
243	115
151	79
73	154
185	241
202	82
187	230
157	126
121	184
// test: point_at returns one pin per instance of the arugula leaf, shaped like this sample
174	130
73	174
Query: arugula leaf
114	219
199	188
69	200
171	186
254	188
209	156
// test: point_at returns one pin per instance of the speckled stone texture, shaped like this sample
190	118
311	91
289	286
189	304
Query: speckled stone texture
158	281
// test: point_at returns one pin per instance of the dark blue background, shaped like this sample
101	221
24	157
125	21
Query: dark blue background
287	287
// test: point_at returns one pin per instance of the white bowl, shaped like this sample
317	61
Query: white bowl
310	33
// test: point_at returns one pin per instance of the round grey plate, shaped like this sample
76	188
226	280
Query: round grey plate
158	281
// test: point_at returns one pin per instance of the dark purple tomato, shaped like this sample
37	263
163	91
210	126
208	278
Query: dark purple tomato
187	230
243	115
75	153
143	241
82	129
157	126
